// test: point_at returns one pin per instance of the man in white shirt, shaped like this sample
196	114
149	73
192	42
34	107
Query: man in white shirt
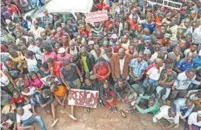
183	82
194	121
27	118
168	113
152	76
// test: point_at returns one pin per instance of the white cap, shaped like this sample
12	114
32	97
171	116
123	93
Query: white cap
91	43
61	50
113	36
8	21
199	113
199	53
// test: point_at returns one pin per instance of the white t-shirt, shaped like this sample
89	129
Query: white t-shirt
183	82
121	63
164	114
36	50
27	114
32	65
154	73
192	119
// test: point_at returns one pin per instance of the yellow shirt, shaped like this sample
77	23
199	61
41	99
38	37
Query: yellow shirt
84	62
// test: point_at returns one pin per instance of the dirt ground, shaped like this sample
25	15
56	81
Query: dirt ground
101	119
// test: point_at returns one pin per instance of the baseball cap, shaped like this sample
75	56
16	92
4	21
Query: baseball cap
91	43
147	52
61	50
113	36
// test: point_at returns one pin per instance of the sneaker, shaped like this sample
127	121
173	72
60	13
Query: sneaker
54	122
123	113
73	117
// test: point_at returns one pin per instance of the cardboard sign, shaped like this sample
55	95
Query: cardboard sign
98	16
173	4
83	98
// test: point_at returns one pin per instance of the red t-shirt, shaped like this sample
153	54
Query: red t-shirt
18	100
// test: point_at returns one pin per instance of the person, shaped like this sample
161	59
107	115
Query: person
137	69
185	63
147	104
19	100
48	53
69	76
152	76
47	101
126	94
62	55
25	118
168	113
183	107
107	96
87	61
183	82
8	121
102	70
120	65
60	92
166	81
194	121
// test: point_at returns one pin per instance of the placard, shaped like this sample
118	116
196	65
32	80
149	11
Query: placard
173	4
98	16
83	98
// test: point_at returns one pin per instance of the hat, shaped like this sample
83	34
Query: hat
167	35
8	21
172	55
147	38
163	49
147	52
61	50
71	43
91	43
114	36
199	54
147	41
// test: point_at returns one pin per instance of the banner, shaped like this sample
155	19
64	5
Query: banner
98	16
174	4
83	98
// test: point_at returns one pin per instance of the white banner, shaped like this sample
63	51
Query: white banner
98	16
173	4
83	98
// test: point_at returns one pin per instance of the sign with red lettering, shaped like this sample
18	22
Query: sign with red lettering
98	16
83	98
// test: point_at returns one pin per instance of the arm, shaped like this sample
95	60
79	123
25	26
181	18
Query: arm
10	78
24	127
79	73
57	99
50	100
63	80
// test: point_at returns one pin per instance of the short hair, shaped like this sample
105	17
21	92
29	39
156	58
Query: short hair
50	60
190	70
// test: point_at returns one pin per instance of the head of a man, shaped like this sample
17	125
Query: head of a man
189	103
190	73
171	112
20	111
121	53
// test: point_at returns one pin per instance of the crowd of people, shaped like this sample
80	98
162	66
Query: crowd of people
145	56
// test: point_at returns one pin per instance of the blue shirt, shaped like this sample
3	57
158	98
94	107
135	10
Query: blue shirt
138	68
184	65
149	26
180	105
197	61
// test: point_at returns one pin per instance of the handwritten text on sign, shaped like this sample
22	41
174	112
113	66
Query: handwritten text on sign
84	98
174	4
98	16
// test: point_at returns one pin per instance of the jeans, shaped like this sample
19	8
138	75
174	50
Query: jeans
165	95
152	86
34	119
35	100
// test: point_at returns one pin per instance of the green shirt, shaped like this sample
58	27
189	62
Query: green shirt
153	109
